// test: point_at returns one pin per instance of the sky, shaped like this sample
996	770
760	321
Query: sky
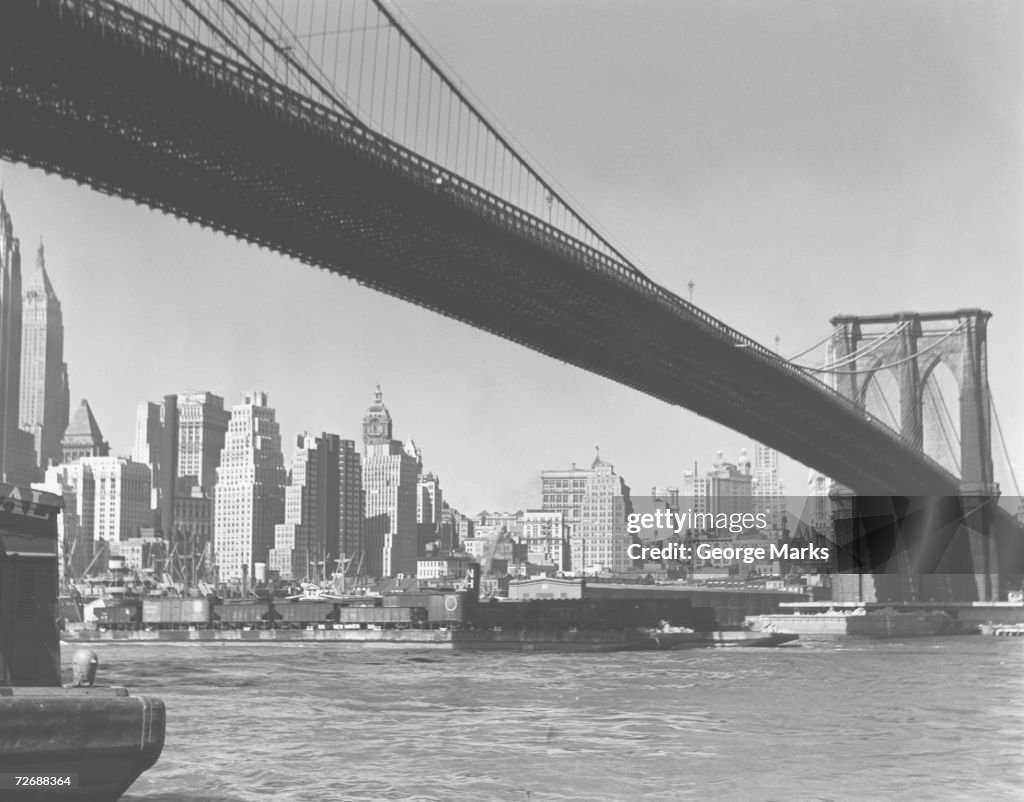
794	160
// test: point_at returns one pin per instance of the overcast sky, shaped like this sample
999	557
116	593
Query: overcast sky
793	159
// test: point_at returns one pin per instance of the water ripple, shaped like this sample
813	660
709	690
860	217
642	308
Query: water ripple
830	720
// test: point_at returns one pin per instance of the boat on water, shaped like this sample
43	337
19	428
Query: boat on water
494	639
886	622
1002	630
683	638
78	743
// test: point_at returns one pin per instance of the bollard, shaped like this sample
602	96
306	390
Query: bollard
83	668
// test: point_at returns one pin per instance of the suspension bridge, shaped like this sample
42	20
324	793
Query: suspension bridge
324	131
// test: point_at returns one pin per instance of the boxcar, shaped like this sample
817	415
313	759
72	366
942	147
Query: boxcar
298	614
443	609
387	617
177	613
244	615
123	615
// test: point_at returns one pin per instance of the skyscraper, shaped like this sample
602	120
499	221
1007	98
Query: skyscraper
390	473
726	489
767	487
351	539
181	440
83	437
249	490
429	502
44	402
563	491
121	501
202	428
544	533
307	539
17	457
600	541
147	448
105	498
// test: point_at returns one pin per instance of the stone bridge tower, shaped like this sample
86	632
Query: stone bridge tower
902	356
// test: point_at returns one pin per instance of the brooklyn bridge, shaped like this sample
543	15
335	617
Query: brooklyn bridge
358	155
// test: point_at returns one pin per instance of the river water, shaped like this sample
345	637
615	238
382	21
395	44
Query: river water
921	719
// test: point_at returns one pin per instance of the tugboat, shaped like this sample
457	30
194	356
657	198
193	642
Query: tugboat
79	743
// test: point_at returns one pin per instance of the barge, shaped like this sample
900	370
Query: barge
524	640
886	622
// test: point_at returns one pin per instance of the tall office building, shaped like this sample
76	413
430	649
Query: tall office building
563	491
44	402
429	503
306	542
600	541
147	449
250	489
121	501
726	488
546	539
181	440
351	538
83	437
105	499
390	474
454	528
202	428
767	488
819	516
663	499
17	456
76	548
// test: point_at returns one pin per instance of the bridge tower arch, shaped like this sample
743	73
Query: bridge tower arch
915	348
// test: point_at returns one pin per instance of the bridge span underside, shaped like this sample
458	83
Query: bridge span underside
168	126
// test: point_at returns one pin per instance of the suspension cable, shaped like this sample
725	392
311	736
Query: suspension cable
897	363
1002	441
864	350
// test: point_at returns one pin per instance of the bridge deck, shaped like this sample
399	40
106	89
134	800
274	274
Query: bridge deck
94	92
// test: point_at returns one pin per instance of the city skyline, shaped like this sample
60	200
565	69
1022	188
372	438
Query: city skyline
881	201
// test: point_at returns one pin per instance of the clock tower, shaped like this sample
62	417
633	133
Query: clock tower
377	423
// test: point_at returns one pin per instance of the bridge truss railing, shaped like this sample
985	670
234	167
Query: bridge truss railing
154	38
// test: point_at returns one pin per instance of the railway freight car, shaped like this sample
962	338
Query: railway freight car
383	617
443	609
126	614
256	614
178	613
299	614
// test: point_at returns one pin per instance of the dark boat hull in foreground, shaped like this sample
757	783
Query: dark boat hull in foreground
85	744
